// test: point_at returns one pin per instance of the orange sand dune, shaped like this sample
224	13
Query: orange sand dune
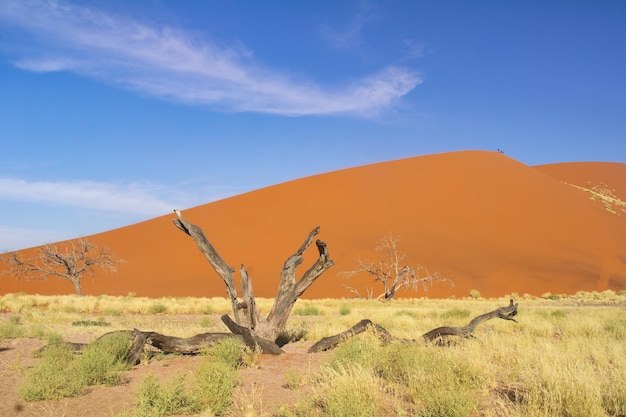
481	218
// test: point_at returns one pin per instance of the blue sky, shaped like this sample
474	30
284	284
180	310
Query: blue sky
113	112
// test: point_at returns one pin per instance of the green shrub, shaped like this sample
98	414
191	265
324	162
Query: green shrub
215	382
351	391
156	399
157	308
11	328
616	328
102	362
60	373
475	294
51	377
345	310
211	389
307	311
206	322
229	351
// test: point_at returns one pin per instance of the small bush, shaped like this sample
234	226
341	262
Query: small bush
345	310
351	391
294	379
11	329
115	312
475	294
157	308
206	322
156	399
61	374
307	311
211	389
102	362
50	378
229	351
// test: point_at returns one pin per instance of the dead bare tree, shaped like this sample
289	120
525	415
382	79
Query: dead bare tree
390	271
246	314
71	261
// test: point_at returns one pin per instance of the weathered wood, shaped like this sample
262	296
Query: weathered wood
327	343
289	289
219	265
505	313
331	342
250	339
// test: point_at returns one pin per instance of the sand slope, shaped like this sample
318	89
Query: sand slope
481	218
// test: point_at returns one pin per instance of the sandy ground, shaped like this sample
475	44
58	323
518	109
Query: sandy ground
262	388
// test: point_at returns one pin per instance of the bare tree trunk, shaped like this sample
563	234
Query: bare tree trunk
77	288
289	289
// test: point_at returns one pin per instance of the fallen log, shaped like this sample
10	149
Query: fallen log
327	343
505	313
331	342
192	345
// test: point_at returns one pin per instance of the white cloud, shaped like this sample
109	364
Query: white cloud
120	198
351	35
170	63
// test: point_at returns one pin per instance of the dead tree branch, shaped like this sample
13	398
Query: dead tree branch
289	289
327	343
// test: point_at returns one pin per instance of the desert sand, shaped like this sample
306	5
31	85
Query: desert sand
482	219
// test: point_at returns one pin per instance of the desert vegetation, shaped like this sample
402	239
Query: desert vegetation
391	272
566	356
71	261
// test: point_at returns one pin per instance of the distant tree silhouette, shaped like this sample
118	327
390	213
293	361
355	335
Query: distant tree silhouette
391	272
70	261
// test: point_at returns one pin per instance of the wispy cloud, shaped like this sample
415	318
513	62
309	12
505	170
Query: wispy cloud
121	198
350	35
170	63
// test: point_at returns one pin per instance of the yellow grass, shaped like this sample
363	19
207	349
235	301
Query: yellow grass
566	356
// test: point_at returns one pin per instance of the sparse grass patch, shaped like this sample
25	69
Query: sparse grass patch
309	310
210	389
11	328
455	313
157	308
293	379
60	373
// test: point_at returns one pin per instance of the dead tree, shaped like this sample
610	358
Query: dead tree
245	312
327	343
192	345
391	272
70	261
